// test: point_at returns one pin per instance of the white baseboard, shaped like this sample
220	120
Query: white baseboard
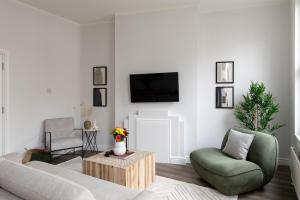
284	161
187	159
295	166
177	160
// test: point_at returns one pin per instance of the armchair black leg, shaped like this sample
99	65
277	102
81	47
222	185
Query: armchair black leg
82	154
51	159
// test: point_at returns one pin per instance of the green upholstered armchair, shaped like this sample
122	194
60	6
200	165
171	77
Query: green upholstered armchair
231	176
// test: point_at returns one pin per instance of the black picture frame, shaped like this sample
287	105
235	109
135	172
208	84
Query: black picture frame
219	64
98	99
219	97
97	75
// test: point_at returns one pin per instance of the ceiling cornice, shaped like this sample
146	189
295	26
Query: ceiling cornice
197	6
45	12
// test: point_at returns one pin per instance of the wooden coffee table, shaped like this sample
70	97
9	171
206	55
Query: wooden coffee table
136	172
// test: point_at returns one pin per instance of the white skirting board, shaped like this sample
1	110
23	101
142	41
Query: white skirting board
284	161
178	160
295	171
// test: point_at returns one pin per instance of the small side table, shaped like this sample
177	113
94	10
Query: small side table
91	139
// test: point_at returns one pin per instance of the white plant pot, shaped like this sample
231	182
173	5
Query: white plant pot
119	148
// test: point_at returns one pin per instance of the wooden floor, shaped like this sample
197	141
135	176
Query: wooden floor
280	188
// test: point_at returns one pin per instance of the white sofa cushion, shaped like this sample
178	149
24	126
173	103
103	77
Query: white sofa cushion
32	184
14	157
101	189
4	195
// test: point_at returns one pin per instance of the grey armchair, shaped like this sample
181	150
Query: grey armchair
60	134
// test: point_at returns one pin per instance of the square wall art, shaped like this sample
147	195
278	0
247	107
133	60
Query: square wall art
224	97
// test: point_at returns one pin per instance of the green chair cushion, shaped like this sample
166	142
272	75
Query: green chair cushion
228	175
218	163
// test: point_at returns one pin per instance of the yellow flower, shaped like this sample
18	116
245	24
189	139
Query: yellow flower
120	131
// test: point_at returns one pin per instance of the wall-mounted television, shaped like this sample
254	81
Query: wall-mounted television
158	87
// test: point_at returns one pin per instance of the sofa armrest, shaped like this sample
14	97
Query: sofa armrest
16	157
33	184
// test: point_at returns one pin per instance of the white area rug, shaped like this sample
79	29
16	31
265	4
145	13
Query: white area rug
168	189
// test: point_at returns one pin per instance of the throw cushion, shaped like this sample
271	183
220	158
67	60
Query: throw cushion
32	184
238	144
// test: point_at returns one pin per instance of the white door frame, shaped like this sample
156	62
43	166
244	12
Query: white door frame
5	101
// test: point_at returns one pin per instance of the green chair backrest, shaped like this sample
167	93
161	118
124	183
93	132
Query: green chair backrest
263	152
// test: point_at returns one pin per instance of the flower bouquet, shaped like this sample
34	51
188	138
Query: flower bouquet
119	135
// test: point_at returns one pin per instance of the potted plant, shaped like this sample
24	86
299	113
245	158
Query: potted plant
119	135
256	111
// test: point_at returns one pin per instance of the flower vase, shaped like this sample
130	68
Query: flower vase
87	124
119	148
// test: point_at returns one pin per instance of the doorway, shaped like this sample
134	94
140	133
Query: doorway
3	100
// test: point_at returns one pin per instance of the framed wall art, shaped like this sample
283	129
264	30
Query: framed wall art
100	97
225	72
225	97
100	75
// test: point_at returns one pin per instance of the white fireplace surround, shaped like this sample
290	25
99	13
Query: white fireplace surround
159	132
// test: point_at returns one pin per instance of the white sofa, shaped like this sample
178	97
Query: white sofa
38	177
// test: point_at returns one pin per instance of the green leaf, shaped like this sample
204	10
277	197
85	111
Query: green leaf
257	110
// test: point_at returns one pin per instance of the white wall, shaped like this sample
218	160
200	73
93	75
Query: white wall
158	42
44	53
97	49
257	39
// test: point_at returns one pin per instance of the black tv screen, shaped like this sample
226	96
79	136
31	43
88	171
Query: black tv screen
158	87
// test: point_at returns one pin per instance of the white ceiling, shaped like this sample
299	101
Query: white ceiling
90	11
